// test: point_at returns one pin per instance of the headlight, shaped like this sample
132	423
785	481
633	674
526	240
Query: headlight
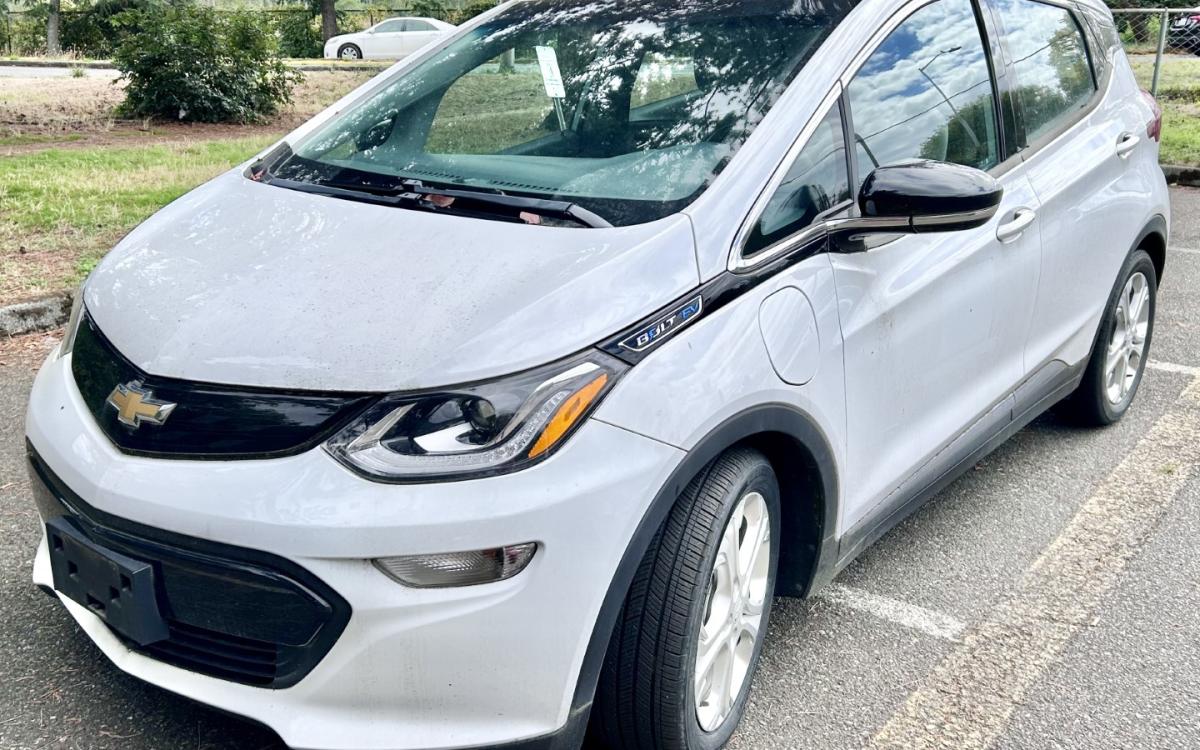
68	342
477	430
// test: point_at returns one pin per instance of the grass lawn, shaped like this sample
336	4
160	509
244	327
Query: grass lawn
62	209
1179	95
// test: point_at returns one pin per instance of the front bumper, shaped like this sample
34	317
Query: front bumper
448	668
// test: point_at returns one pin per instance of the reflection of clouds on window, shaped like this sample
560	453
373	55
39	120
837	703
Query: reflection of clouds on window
926	93
1054	78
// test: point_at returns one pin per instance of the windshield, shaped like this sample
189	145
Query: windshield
626	109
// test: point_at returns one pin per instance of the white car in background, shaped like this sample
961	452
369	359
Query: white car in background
390	39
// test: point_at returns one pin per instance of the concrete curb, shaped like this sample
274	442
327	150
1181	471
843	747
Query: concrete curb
104	65
37	315
1183	176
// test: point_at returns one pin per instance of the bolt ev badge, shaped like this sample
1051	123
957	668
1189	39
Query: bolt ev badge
135	405
664	326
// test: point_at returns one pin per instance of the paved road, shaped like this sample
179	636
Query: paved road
21	71
1046	600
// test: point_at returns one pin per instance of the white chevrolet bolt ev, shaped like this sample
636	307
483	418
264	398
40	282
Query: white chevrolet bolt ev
494	406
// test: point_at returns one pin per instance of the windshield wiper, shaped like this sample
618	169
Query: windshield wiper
416	194
517	203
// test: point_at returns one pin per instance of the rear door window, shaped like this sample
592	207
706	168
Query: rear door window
927	93
390	27
1054	77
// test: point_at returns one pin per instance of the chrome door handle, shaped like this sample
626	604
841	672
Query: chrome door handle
1127	144
1013	230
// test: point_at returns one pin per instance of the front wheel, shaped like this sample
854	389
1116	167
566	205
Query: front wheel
1122	349
350	52
679	666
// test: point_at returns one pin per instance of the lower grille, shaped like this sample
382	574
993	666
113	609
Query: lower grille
218	654
231	613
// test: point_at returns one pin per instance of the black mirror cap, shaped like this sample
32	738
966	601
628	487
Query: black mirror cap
931	196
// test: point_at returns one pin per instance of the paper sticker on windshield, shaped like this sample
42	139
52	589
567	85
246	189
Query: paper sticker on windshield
551	76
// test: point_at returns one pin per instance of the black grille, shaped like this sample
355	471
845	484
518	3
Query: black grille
209	421
218	654
232	613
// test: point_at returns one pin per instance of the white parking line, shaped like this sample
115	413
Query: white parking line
926	621
1174	368
967	701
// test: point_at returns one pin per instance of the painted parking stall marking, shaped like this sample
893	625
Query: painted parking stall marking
1173	368
910	616
968	699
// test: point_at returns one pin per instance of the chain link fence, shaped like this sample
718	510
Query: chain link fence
1164	45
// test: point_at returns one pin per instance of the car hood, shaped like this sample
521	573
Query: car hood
250	284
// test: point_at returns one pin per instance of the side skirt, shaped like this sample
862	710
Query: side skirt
1052	384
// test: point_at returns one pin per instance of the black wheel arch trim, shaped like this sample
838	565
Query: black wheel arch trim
766	418
1156	227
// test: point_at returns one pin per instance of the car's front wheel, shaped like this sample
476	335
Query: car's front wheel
678	670
1114	373
350	52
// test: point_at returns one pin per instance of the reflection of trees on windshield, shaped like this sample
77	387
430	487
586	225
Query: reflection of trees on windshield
632	129
1053	73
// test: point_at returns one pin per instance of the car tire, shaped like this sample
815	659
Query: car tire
350	52
1105	393
648	697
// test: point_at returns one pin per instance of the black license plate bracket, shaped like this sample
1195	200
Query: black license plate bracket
118	589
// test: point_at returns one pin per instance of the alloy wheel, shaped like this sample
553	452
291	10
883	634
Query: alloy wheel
733	611
1127	347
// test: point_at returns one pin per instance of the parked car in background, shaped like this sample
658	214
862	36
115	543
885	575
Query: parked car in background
1185	33
388	40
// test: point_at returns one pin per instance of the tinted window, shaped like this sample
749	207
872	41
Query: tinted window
414	25
388	27
817	181
1054	78
926	93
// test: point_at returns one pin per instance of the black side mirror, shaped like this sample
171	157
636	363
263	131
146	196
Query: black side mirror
925	196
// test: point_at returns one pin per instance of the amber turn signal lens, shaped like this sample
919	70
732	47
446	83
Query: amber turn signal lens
566	416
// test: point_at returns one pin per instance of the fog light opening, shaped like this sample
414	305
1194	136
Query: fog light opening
453	569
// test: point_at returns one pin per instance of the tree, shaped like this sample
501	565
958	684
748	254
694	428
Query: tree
328	20
53	24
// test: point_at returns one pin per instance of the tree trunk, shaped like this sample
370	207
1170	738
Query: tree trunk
53	40
1140	26
328	20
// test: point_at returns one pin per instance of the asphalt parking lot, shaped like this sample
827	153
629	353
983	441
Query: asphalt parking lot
1046	600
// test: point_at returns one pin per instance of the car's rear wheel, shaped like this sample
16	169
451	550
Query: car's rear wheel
1119	357
678	670
350	52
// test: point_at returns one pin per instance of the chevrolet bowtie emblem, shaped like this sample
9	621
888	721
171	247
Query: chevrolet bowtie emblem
135	405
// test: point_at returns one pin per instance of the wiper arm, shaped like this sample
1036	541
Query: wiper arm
518	204
416	194
363	194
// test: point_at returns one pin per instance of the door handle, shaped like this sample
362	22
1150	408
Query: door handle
1012	231
1127	144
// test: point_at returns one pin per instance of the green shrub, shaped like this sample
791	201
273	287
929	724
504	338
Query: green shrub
96	30
299	35
25	33
191	63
